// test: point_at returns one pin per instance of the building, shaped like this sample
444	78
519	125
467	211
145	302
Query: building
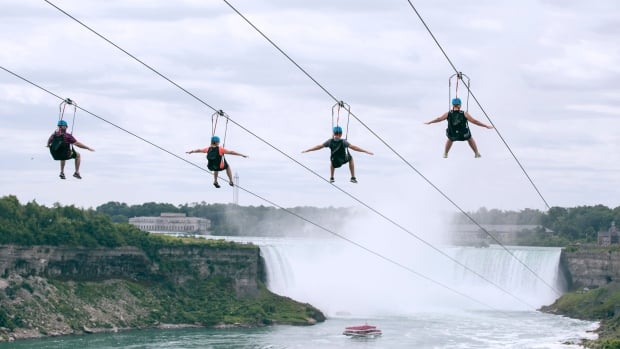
610	237
172	223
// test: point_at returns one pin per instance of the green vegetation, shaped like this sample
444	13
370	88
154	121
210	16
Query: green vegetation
601	304
158	297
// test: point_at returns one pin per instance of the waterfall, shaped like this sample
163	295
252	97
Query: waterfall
341	278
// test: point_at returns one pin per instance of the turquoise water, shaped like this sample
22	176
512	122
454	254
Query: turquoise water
425	330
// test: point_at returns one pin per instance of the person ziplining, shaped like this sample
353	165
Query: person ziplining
339	146
458	128
61	142
216	161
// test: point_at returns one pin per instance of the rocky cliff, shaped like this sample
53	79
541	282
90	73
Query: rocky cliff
590	266
179	264
57	290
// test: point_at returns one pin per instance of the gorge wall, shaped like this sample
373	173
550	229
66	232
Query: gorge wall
590	266
178	264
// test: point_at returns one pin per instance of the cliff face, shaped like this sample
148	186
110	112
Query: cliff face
179	264
591	267
55	290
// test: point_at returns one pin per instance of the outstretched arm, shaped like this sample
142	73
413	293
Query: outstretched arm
195	151
316	147
232	152
83	146
356	148
438	119
476	122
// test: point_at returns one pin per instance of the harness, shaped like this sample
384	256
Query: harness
458	128
339	153
60	149
215	161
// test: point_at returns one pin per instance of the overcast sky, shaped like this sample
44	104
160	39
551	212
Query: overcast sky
546	72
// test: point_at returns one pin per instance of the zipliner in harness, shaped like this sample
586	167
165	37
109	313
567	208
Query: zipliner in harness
458	127
60	149
216	160
339	147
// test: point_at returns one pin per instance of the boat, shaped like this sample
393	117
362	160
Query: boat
367	331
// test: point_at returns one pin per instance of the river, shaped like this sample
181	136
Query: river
418	297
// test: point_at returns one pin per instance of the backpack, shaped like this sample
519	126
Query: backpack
60	149
458	129
340	154
215	162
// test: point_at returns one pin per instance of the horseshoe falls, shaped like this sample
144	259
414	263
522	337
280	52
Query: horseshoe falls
342	278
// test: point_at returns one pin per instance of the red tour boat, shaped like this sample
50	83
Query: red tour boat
362	331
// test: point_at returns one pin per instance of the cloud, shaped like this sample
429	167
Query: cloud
550	88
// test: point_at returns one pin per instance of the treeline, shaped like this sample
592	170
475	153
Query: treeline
34	224
562	225
232	220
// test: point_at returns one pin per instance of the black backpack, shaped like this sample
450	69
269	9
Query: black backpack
458	129
340	154
215	162
60	149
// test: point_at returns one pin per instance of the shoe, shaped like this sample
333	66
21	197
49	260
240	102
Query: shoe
231	184
445	155
353	180
77	175
477	155
216	184
62	175
331	180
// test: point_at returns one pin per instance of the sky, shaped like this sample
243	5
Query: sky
545	73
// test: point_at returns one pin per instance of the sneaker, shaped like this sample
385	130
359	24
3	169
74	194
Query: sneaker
331	180
62	175
477	155
445	155
77	175
231	184
216	184
353	180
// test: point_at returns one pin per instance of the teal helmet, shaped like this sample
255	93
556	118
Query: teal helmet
337	129
62	123
215	139
456	101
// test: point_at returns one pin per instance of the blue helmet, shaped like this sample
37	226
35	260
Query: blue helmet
215	139
337	129
62	123
456	101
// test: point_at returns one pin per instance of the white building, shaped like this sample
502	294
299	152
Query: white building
172	223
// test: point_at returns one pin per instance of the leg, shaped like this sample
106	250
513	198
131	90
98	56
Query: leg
447	148
215	183
78	160
352	170
62	169
77	165
474	147
229	174
331	173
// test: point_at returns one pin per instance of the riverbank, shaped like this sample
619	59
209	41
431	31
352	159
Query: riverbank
59	290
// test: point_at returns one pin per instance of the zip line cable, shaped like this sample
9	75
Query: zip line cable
477	102
393	150
398	264
318	175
